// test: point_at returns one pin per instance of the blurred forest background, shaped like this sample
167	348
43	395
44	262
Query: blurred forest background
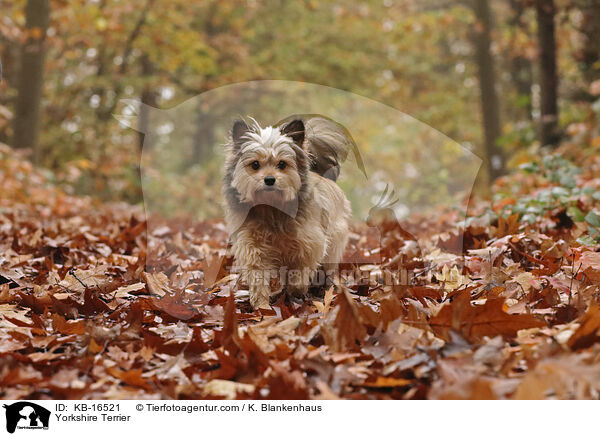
506	79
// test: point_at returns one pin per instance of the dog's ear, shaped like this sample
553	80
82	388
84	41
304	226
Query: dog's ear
240	128
295	130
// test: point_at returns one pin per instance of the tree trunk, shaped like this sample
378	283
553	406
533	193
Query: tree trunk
590	29
549	134
31	77
521	71
490	107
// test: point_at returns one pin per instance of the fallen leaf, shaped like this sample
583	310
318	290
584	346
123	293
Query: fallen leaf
475	322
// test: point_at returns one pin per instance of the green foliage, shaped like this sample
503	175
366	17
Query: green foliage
558	190
593	228
555	190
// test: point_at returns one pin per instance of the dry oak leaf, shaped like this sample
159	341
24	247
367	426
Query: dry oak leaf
213	268
268	333
590	265
475	322
175	306
451	278
344	327
325	306
573	376
78	280
174	333
286	383
61	325
125	291
231	337
14	315
133	377
508	226
158	283
469	388
587	333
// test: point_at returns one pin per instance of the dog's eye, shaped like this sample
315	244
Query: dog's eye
255	165
282	164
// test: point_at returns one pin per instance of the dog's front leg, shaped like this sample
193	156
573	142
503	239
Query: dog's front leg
259	282
255	260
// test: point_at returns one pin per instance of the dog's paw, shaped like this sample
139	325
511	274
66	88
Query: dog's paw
259	297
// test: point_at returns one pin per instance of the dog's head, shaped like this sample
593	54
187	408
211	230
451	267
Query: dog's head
267	165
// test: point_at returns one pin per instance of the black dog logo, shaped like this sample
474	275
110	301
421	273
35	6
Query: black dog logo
26	415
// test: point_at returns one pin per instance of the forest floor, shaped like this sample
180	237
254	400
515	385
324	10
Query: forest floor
515	315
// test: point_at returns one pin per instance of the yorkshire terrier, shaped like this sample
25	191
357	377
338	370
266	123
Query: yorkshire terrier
287	217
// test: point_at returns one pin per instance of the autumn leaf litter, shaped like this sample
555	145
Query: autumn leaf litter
81	317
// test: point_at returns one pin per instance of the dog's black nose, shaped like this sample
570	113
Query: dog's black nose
269	180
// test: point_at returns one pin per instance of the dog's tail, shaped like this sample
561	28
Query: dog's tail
329	144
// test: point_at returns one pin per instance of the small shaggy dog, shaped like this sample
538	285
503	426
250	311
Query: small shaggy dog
286	215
